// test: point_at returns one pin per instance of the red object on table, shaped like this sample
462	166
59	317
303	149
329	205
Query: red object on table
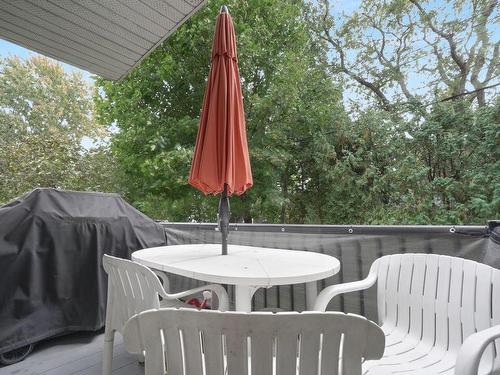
196	303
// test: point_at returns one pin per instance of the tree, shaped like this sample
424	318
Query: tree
288	99
408	156
432	136
386	46
45	115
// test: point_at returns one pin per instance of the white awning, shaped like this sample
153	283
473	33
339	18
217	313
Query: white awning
105	37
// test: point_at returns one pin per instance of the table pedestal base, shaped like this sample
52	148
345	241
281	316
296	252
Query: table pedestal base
243	297
311	294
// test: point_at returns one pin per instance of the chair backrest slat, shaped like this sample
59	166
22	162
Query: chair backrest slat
154	351
212	345
287	353
331	345
392	283
261	351
192	350
309	351
383	269
352	349
441	303
455	304
429	300
483	305
416	295
237	350
483	296
266	343
129	296
468	298
403	292
173	345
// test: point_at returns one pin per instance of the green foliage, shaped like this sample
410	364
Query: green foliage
288	96
397	162
444	170
312	162
45	114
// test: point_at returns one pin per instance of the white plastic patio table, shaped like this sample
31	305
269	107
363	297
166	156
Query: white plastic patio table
248	268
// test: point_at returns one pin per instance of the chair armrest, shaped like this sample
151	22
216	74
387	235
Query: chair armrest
330	292
164	279
219	291
472	349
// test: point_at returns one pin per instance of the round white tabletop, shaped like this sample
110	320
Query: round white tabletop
246	267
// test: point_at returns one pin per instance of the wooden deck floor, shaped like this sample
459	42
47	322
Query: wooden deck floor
78	354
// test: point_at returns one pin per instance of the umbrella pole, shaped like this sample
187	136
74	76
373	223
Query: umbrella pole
224	212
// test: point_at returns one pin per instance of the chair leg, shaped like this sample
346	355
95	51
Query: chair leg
140	358
107	355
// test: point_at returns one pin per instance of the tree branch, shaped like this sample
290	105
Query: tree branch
439	62
479	59
459	61
373	87
493	66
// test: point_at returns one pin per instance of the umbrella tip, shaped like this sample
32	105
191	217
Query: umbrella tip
223	9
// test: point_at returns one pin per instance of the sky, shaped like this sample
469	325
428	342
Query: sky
338	9
8	48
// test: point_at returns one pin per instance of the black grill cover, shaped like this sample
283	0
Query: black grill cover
51	248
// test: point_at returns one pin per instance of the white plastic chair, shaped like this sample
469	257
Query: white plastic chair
260	343
133	288
427	306
472	350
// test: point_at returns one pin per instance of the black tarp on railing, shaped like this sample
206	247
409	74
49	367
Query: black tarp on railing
356	246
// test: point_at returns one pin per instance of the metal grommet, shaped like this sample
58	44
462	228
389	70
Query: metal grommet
350	230
452	230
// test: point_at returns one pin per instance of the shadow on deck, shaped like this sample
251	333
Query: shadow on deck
78	353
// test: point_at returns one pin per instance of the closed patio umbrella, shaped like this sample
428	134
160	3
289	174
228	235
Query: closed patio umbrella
221	164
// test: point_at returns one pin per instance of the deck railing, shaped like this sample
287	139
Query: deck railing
356	246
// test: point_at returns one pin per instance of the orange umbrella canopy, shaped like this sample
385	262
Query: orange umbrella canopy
221	152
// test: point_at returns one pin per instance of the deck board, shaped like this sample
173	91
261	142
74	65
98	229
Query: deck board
79	354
